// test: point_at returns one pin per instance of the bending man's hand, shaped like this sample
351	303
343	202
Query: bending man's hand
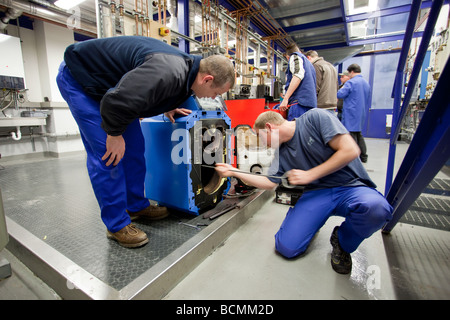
115	150
181	111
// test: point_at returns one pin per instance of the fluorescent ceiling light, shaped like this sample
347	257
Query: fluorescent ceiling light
371	6
67	4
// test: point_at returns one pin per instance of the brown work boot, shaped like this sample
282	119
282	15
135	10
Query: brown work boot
152	212
129	236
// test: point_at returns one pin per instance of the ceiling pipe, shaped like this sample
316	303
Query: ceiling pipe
10	14
43	10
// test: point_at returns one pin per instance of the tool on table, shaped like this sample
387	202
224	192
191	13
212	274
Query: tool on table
224	210
284	178
189	225
202	225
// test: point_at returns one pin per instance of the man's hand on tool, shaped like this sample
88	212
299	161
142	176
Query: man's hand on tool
115	149
170	114
299	177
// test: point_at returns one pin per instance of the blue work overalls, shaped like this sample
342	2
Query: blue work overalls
365	211
117	188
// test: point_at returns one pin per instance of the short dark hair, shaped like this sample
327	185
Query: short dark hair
291	48
354	68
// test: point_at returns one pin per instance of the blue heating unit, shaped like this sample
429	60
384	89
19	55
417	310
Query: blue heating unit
176	155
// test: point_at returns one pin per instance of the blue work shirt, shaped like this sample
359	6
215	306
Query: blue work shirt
356	95
309	148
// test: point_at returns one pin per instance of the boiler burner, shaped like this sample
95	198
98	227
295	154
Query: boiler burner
175	153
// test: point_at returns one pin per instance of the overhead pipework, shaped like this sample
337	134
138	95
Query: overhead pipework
222	31
47	11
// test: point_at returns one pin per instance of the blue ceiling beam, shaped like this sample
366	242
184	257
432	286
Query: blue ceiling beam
315	24
326	46
382	39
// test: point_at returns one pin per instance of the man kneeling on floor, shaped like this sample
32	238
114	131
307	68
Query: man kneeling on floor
316	151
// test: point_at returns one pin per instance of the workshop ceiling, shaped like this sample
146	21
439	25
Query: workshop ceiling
336	29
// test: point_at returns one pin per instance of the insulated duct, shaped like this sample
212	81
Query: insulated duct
10	14
46	11
172	8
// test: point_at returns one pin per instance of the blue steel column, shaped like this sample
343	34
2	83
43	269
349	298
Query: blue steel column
428	152
429	149
427	34
398	83
344	17
366	125
183	24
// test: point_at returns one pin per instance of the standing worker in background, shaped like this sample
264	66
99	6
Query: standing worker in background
300	84
326	81
340	104
109	84
356	95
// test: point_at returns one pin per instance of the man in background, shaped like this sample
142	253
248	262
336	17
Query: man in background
300	86
343	77
356	95
326	81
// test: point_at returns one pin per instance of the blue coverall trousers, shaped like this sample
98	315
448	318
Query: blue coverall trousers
117	188
365	211
296	111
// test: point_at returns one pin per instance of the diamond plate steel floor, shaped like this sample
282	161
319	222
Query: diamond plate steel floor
432	207
53	200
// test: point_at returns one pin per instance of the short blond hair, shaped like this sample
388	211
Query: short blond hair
312	54
220	67
271	117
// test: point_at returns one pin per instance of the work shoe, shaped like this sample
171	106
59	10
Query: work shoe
152	212
129	236
341	261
